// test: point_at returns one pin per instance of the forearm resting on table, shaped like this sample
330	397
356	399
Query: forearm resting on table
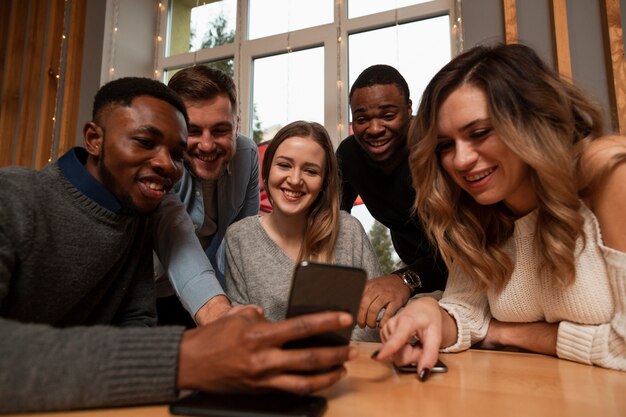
537	337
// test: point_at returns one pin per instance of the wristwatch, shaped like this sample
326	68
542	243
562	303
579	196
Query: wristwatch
411	279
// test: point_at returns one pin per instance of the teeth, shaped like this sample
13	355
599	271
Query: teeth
292	194
155	186
480	176
208	158
377	143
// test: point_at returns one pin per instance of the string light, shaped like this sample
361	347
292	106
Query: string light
59	83
158	40
338	19
238	34
116	13
457	27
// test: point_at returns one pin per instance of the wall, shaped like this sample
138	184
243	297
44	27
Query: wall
92	62
483	22
130	50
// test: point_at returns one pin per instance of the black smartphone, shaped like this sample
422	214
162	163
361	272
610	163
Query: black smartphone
249	405
320	287
439	367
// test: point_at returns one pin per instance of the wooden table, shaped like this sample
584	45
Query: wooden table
478	383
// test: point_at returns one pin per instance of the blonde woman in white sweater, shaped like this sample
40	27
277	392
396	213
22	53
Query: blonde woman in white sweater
526	202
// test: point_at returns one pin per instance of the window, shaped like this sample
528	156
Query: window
357	8
195	25
271	17
399	46
287	87
296	59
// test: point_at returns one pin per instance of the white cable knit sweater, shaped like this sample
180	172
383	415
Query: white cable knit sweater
591	312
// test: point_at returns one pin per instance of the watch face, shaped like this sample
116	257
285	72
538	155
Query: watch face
413	279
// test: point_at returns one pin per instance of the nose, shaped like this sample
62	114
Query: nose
465	156
163	164
206	144
376	127
295	177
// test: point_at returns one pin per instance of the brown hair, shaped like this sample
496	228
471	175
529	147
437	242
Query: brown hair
542	119
201	82
322	224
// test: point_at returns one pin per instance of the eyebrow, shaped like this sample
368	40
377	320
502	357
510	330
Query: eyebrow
157	132
467	126
151	130
227	124
380	107
313	164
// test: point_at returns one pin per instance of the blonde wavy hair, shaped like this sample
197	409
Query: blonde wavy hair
322	224
546	122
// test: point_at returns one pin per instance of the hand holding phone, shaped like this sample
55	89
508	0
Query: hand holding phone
320	287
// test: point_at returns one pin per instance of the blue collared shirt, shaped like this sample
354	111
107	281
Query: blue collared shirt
72	165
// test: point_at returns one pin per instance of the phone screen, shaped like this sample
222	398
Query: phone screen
249	405
320	287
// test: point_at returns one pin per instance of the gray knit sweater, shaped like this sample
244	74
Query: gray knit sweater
258	272
76	297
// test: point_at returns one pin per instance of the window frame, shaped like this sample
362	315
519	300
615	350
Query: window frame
244	52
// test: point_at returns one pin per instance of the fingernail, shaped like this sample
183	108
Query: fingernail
424	374
375	354
345	319
353	353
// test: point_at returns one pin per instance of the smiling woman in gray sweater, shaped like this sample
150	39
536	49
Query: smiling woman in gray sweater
300	176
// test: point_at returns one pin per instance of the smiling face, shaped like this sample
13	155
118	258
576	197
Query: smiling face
380	120
475	157
212	135
296	175
136	151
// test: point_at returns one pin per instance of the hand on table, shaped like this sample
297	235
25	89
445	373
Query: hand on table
388	292
241	352
420	319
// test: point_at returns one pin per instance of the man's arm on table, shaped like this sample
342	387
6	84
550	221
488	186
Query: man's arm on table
46	368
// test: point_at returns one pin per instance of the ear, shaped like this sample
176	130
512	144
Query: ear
93	138
410	108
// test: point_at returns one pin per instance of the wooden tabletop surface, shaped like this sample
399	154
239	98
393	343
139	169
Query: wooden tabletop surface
478	383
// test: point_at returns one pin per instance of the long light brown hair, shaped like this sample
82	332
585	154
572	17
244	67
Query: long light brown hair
545	121
322	225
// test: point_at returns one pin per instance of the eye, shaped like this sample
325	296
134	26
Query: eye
194	131
311	171
389	116
480	133
221	132
144	142
444	146
283	165
360	120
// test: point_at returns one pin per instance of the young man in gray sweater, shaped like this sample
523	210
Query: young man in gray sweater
76	285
